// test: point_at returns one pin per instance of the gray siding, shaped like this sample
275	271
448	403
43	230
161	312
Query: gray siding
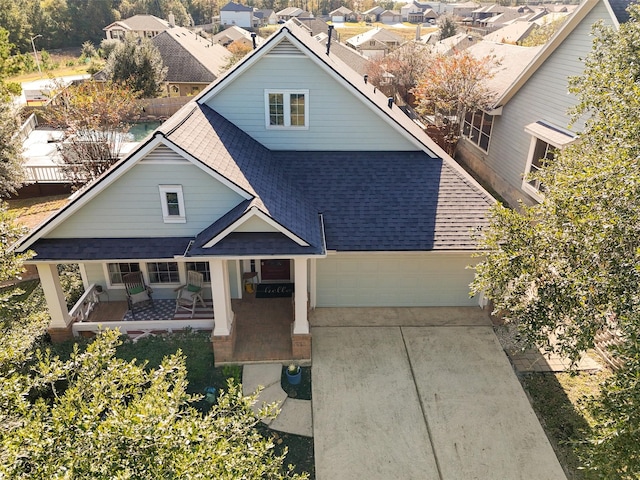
544	97
109	214
333	111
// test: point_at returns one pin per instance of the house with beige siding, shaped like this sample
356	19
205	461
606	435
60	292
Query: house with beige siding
289	179
530	119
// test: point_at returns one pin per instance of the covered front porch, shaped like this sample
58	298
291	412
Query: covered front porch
256	329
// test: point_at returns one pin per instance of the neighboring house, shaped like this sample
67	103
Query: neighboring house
390	17
236	34
237	14
289	13
514	33
414	12
192	61
315	26
343	14
146	26
373	14
457	42
376	42
463	10
291	169
265	17
529	120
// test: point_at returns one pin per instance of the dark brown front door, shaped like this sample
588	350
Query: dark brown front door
277	269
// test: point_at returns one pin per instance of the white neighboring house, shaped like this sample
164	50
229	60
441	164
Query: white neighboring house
237	14
146	26
376	42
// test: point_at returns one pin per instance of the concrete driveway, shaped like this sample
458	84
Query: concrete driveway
420	394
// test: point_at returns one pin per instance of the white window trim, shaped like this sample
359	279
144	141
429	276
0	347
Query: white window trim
120	286
526	186
147	276
164	189
538	132
286	94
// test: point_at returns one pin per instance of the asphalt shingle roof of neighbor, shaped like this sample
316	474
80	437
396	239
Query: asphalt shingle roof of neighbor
142	22
236	7
190	57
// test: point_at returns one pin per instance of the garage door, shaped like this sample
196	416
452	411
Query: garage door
403	280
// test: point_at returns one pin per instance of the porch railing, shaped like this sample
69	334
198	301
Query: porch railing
44	174
145	326
85	305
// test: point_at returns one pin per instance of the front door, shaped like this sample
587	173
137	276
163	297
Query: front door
275	270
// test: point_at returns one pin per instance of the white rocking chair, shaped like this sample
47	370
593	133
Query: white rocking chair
191	293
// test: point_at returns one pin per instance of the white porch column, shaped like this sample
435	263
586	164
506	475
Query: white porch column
301	322
313	284
53	294
220	292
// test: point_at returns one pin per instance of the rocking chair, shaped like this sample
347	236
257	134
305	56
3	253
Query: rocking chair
191	293
138	294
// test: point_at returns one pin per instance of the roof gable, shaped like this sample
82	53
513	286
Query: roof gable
560	36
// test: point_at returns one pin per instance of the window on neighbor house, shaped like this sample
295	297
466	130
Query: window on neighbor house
163	272
546	141
287	109
476	128
543	153
201	267
172	202
118	270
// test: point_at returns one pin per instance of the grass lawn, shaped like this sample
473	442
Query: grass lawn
557	400
32	211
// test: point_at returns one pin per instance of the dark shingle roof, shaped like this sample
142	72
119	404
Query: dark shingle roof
189	57
619	8
110	248
236	7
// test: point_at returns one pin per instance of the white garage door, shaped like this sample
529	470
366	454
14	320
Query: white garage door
403	280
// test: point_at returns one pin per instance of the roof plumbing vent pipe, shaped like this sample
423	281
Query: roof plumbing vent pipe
366	78
253	39
390	102
329	39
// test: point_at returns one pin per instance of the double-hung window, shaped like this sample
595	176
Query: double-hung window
201	267
172	202
287	109
546	141
163	272
118	270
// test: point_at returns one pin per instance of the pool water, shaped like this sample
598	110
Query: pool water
138	131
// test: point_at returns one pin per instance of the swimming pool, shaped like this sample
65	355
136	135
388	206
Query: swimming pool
140	130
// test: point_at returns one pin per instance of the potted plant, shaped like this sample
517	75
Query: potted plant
294	374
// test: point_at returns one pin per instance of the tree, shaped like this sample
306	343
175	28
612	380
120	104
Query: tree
570	265
541	34
137	63
238	51
99	417
94	118
405	64
448	26
452	85
11	172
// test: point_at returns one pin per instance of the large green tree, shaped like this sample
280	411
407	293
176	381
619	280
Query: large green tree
95	416
11	172
571	265
137	63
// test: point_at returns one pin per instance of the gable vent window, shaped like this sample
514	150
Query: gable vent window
287	109
172	202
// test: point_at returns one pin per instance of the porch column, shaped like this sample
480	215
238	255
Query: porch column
222	312
301	322
59	328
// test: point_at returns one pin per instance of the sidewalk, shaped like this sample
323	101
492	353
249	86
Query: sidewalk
295	415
